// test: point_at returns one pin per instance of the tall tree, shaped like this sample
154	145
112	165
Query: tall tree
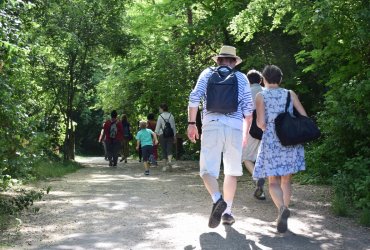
73	40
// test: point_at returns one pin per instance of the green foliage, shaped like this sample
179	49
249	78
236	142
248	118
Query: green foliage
339	205
365	217
17	128
71	41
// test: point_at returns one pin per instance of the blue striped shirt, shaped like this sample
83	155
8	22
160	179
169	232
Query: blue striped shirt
234	120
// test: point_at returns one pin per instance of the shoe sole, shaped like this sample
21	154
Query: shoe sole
228	222
215	218
282	224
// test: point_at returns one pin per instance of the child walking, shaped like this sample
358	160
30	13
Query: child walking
144	139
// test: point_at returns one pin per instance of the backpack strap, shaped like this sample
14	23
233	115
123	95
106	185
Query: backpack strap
165	119
287	101
162	127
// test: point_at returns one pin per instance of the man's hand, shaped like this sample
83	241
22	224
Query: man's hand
193	133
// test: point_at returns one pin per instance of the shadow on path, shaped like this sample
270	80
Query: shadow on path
234	240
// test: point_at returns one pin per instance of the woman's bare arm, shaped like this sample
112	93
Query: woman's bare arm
260	109
297	104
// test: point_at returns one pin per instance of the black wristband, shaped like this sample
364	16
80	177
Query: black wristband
191	123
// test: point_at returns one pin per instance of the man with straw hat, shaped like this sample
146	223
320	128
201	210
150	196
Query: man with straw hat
222	130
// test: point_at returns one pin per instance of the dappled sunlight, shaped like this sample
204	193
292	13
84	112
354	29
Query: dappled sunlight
314	203
123	209
98	178
60	193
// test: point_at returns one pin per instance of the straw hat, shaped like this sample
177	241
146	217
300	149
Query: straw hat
228	51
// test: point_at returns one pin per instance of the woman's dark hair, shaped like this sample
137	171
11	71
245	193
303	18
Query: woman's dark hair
254	76
124	118
113	114
272	74
164	107
150	116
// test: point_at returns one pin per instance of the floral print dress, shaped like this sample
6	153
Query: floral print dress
274	159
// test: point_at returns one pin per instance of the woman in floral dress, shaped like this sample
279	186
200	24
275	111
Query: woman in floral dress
275	161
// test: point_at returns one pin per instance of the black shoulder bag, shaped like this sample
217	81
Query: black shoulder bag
254	130
293	130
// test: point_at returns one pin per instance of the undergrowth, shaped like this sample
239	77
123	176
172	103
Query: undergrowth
48	169
14	199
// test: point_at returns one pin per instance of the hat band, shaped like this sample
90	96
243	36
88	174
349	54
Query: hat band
226	54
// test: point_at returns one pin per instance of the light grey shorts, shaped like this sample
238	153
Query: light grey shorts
250	150
218	138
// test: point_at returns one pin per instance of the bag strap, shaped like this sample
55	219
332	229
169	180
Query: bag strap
287	102
164	122
165	119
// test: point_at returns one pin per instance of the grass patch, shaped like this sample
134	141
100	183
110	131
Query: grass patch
340	206
49	169
365	218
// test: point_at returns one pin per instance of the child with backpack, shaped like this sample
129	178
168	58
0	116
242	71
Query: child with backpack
144	138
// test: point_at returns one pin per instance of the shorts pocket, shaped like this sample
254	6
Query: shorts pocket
210	135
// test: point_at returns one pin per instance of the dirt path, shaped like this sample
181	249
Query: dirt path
103	208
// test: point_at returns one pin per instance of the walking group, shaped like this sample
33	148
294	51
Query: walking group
230	134
116	135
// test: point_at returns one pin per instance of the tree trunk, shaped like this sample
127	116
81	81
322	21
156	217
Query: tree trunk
69	143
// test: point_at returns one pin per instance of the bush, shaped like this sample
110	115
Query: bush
365	217
351	187
342	156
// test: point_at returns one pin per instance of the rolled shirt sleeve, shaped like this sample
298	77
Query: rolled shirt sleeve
199	91
247	104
